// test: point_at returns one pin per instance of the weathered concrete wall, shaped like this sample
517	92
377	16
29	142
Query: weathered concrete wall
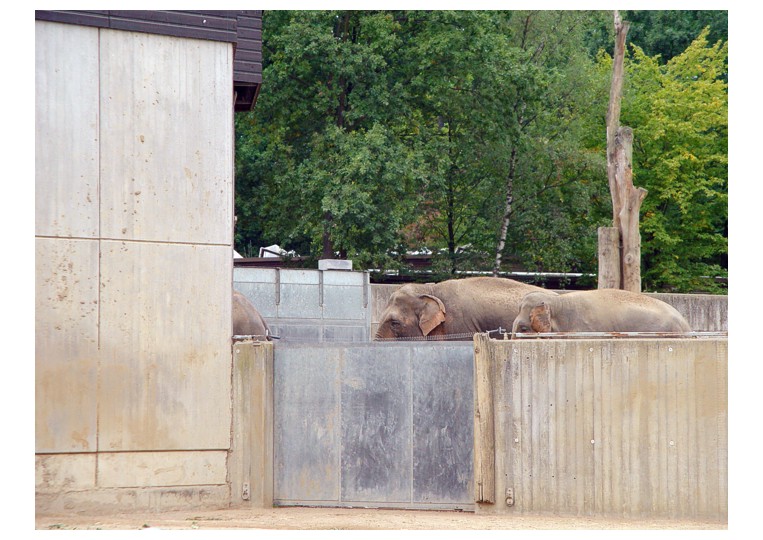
704	312
633	428
134	176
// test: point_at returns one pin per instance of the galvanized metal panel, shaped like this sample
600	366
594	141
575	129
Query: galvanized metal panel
337	277
299	300
254	275
344	302
404	438
263	296
376	425
66	130
443	427
165	347
337	333
307	424
152	187
299	277
289	331
305	304
66	345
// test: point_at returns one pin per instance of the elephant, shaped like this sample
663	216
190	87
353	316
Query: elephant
598	310
452	309
247	321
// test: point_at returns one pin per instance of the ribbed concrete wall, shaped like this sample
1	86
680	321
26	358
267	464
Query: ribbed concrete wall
633	428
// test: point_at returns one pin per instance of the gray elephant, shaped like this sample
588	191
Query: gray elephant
247	321
599	310
457	308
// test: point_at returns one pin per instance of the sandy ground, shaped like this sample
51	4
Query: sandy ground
351	519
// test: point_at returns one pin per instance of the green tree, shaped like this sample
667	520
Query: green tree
320	155
463	78
668	33
553	156
679	113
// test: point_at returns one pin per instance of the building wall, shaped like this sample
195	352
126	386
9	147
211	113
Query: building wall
133	235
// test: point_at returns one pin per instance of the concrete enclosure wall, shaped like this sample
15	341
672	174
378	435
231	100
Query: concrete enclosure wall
633	428
133	173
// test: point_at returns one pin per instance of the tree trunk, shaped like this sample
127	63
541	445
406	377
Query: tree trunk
630	204
328	244
620	246
613	113
506	212
609	258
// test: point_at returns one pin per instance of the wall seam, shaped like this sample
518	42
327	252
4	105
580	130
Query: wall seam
99	269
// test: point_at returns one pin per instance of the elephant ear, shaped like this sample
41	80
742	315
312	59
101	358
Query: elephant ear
432	315
540	318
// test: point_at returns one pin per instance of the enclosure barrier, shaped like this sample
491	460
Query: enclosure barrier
250	465
625	427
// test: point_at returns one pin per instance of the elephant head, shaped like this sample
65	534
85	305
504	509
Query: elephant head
411	313
534	314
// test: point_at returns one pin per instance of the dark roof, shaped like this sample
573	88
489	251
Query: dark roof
243	28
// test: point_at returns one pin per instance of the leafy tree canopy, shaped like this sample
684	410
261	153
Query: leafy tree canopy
382	132
679	112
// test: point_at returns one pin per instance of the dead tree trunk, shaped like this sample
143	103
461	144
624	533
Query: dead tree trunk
628	212
620	247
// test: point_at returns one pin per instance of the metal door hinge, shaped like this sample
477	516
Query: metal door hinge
509	497
245	491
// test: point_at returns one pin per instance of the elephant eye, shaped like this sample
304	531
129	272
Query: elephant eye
394	323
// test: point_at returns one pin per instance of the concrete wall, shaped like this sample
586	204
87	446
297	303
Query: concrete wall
704	312
133	236
633	428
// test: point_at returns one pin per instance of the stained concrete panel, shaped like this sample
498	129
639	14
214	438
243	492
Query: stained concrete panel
152	469
167	148
66	130
64	472
165	347
66	345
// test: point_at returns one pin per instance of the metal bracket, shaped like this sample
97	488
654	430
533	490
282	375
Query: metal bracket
245	491
509	496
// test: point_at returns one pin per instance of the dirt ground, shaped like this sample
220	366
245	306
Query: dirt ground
351	519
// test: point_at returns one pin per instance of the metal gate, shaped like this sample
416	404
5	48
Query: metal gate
374	425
